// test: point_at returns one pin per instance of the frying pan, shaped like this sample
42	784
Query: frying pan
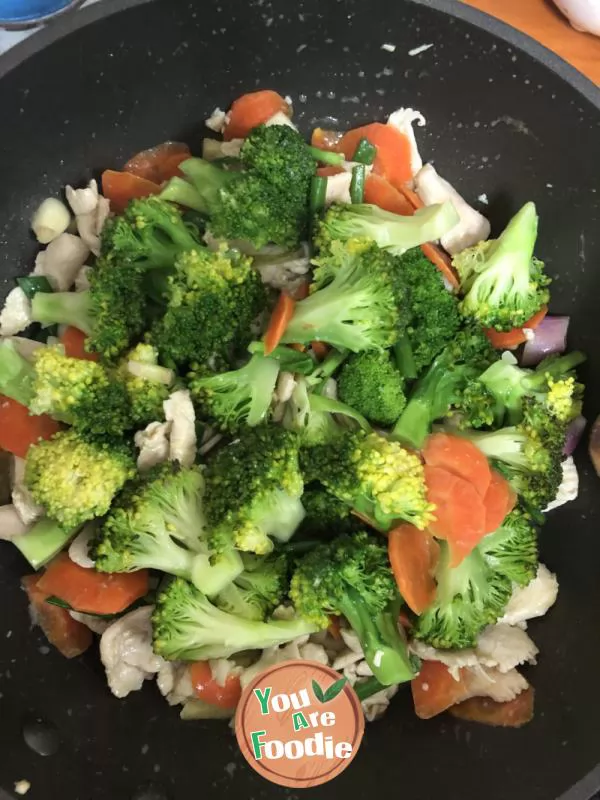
505	117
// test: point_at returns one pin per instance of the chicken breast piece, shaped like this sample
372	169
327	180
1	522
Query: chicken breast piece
472	227
179	411
532	600
153	444
126	652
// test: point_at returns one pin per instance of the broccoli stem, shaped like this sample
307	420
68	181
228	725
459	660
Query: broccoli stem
16	375
65	308
414	423
384	647
327	405
43	541
367	688
180	191
405	359
212	578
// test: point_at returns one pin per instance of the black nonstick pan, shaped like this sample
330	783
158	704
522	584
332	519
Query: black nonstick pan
505	118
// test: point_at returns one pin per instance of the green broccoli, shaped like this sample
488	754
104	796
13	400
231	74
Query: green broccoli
552	383
378	478
113	312
212	300
147	383
434	315
326	516
371	383
468	598
159	523
442	385
231	400
357	301
319	419
512	550
149	234
502	283
76	479
392	232
267	201
258	590
254	490
188	627
529	455
351	576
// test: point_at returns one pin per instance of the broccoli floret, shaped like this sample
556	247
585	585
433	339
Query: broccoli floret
319	419
468	598
326	516
159	523
552	384
231	400
150	234
79	392
254	490
76	479
258	590
146	383
442	385
351	576
188	627
112	312
267	201
357	301
212	300
434	315
391	232
528	455
370	383
503	284
378	478
512	550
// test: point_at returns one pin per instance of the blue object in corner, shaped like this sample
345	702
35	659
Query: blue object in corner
27	12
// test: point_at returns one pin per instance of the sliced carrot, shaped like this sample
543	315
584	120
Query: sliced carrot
90	591
158	164
434	690
459	514
206	687
73	340
442	261
253	109
499	501
412	554
302	291
280	318
510	340
320	349
393	159
459	456
70	637
19	429
122	187
326	139
513	714
412	197
381	193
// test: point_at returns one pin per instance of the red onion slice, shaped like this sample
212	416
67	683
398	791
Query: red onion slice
574	432
550	338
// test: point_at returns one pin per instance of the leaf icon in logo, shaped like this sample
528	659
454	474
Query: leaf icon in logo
330	693
318	692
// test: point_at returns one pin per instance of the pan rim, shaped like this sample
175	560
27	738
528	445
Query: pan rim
65	24
68	23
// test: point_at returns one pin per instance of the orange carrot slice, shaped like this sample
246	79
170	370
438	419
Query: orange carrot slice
412	554
251	110
280	318
122	187
510	340
393	159
459	456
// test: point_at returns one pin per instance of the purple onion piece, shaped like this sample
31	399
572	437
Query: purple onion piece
574	432
550	339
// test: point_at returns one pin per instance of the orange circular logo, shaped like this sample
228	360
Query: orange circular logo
299	723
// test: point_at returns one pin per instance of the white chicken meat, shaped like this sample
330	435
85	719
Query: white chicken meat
533	600
179	411
153	444
91	211
126	652
16	313
569	486
62	261
403	119
472	227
